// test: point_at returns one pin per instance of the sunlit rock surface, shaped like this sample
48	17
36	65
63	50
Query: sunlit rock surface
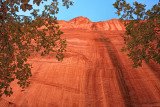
85	23
94	72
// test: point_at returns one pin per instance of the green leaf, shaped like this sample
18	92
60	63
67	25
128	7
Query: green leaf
20	36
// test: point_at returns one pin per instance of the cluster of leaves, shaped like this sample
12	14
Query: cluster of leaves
21	35
142	35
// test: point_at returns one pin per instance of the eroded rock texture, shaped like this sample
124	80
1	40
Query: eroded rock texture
85	23
94	72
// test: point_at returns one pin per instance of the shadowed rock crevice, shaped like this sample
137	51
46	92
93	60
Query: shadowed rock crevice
123	84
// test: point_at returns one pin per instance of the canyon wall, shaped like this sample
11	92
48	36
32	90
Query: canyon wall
85	23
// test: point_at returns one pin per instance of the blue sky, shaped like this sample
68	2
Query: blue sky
95	10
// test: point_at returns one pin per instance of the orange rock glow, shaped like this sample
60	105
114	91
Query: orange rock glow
94	72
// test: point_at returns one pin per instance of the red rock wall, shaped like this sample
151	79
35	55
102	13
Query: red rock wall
85	23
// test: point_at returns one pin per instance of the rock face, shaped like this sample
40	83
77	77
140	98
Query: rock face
85	23
93	73
80	20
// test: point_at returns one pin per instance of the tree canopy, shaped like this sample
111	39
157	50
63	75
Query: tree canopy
21	35
142	35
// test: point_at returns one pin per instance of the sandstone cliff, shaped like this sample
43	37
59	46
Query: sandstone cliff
85	23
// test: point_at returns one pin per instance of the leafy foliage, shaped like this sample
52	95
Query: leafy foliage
20	36
142	35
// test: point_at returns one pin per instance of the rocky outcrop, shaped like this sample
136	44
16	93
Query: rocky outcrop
80	20
85	23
